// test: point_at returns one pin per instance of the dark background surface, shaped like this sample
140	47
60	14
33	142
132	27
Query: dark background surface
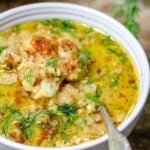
140	136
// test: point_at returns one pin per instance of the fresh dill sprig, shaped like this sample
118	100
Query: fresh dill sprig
93	98
148	58
127	11
2	48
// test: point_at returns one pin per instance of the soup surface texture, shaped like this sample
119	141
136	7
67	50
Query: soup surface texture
54	74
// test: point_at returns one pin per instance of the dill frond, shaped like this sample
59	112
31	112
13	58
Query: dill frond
126	11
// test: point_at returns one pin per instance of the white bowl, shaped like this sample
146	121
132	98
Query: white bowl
97	20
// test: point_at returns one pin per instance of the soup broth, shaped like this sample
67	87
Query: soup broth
54	74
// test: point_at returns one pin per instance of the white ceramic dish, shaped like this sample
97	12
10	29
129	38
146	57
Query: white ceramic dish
97	20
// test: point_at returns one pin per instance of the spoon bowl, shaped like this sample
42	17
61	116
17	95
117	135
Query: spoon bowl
116	141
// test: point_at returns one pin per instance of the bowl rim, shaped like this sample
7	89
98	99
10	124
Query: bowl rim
121	127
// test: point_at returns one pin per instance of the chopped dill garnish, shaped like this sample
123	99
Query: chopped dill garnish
84	55
26	123
115	82
121	55
6	125
45	22
51	62
28	76
83	61
107	40
88	30
87	82
2	48
93	98
2	95
67	109
16	28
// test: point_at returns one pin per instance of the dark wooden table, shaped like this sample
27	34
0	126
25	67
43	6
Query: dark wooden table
140	136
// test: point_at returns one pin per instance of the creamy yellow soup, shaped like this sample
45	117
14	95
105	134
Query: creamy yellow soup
54	74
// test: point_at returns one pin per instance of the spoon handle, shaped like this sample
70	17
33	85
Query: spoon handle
117	141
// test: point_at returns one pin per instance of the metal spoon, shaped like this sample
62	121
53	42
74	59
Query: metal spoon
117	141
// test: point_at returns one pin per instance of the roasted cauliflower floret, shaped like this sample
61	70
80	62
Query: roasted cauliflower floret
69	56
44	63
43	45
35	78
67	94
46	88
71	60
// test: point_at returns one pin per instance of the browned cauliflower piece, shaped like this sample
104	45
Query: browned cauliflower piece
44	62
